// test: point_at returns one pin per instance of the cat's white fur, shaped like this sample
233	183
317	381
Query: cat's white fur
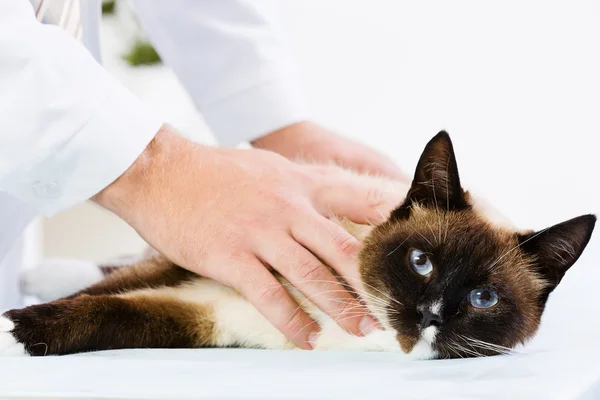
8	345
237	321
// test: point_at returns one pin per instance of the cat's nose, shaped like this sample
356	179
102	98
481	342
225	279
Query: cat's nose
428	318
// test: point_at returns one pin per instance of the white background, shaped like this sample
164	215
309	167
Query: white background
515	83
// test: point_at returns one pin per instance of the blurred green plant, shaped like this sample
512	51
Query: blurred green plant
108	7
142	53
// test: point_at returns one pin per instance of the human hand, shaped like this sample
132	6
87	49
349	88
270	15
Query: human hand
310	142
231	215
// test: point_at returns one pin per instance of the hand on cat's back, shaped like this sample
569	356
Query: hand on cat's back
237	216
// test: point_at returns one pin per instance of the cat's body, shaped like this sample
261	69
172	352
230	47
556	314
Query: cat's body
445	276
223	318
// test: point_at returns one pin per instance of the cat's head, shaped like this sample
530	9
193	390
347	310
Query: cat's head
451	282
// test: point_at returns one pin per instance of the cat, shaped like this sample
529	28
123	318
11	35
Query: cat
444	277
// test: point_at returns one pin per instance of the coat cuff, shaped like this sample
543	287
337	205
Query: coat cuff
256	111
106	146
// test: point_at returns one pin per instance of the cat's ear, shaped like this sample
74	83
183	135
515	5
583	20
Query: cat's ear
557	248
436	182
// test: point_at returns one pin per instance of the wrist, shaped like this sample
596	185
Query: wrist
133	187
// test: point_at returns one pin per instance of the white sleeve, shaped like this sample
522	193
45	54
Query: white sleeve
233	61
68	129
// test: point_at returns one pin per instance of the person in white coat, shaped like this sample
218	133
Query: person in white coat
70	132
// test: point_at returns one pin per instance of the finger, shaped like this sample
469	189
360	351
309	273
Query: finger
361	203
332	244
273	301
307	274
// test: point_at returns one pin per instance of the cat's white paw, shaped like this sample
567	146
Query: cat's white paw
8	344
56	278
334	338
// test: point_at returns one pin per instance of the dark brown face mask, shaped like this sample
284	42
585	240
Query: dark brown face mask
461	284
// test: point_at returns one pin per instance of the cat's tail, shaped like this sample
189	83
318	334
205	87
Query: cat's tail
56	278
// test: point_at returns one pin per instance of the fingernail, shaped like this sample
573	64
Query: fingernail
312	339
368	325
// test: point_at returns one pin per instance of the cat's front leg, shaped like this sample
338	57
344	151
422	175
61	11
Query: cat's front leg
332	337
88	323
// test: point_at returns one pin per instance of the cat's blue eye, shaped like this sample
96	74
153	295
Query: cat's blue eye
420	262
483	298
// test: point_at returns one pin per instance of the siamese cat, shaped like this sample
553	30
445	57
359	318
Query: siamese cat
444	276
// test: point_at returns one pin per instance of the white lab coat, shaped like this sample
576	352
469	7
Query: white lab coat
68	129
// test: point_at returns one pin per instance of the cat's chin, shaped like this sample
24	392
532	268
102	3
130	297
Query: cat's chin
420	348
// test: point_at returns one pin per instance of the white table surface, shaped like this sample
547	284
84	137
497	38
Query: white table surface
255	374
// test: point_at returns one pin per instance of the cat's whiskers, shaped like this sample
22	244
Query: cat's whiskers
374	308
488	346
516	247
452	346
387	296
468	351
371	224
328	292
426	223
381	306
420	234
400	245
474	349
492	347
336	319
352	312
414	230
471	350
361	293
310	299
432	167
383	217
447	199
437	211
359	314
431	229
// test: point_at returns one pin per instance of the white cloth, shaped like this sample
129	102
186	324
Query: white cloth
69	129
